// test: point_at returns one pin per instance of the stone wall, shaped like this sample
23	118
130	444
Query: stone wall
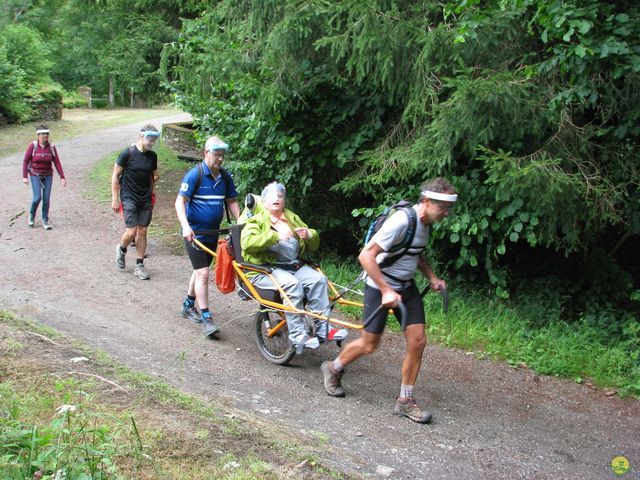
179	137
45	104
46	111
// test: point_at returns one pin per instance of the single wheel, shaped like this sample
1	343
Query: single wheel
277	349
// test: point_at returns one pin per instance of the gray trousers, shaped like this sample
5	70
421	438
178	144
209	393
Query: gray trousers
300	284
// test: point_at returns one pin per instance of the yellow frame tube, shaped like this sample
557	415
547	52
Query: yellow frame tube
280	306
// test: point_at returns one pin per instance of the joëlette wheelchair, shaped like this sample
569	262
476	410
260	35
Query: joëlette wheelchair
270	326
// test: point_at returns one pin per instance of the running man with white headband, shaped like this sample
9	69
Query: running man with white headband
389	285
132	182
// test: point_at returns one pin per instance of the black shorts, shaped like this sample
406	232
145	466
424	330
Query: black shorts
412	302
199	258
136	215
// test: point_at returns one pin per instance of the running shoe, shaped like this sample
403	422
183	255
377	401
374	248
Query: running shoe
332	379
407	407
140	272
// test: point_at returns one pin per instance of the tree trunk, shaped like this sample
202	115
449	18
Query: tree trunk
111	98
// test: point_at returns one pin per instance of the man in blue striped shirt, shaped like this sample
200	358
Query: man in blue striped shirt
200	207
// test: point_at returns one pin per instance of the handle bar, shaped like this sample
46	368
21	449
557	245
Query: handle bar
400	306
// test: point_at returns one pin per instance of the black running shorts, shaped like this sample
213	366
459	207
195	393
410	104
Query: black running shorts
199	258
412	302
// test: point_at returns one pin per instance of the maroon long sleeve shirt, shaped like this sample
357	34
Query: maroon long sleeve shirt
40	162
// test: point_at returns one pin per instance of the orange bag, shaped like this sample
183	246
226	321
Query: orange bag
225	275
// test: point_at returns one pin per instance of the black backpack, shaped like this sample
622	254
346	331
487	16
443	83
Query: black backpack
399	250
227	181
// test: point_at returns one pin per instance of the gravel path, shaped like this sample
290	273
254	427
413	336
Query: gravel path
491	421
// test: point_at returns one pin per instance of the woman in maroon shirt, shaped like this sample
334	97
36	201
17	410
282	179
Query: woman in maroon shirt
37	165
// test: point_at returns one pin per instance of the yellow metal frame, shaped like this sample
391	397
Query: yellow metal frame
283	308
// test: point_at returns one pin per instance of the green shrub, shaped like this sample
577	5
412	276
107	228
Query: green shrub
73	100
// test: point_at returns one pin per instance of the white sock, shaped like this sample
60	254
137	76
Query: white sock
406	391
337	365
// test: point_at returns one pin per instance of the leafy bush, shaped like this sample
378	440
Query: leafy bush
73	100
78	442
27	51
530	108
12	90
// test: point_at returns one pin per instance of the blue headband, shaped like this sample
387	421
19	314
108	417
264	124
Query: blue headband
150	133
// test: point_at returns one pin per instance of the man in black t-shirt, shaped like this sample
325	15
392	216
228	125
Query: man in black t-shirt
132	182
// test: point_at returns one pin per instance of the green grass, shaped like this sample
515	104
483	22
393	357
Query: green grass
99	434
74	122
521	335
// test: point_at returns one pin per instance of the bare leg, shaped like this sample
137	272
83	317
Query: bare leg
416	341
141	242
364	345
192	285
128	235
201	287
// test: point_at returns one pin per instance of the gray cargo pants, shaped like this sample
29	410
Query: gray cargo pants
305	282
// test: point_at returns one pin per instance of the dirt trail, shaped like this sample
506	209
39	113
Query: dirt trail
491	421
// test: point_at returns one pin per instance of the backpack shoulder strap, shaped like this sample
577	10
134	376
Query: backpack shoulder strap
227	180
199	179
227	185
403	247
33	150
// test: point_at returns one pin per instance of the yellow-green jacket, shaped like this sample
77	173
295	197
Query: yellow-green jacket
257	237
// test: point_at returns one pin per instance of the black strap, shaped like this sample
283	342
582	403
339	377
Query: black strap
213	232
404	246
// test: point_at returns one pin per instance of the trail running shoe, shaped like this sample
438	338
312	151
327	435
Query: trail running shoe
140	272
190	313
31	220
208	327
120	257
407	407
45	224
332	379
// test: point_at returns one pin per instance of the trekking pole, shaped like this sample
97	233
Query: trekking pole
445	297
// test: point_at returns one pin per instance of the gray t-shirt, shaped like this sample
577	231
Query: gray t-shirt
391	234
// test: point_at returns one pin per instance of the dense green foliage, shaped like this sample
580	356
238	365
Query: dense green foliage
24	71
103	45
530	107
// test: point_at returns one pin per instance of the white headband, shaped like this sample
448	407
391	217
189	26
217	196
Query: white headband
38	132
445	197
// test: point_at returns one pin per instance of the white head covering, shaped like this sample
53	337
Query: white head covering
272	189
